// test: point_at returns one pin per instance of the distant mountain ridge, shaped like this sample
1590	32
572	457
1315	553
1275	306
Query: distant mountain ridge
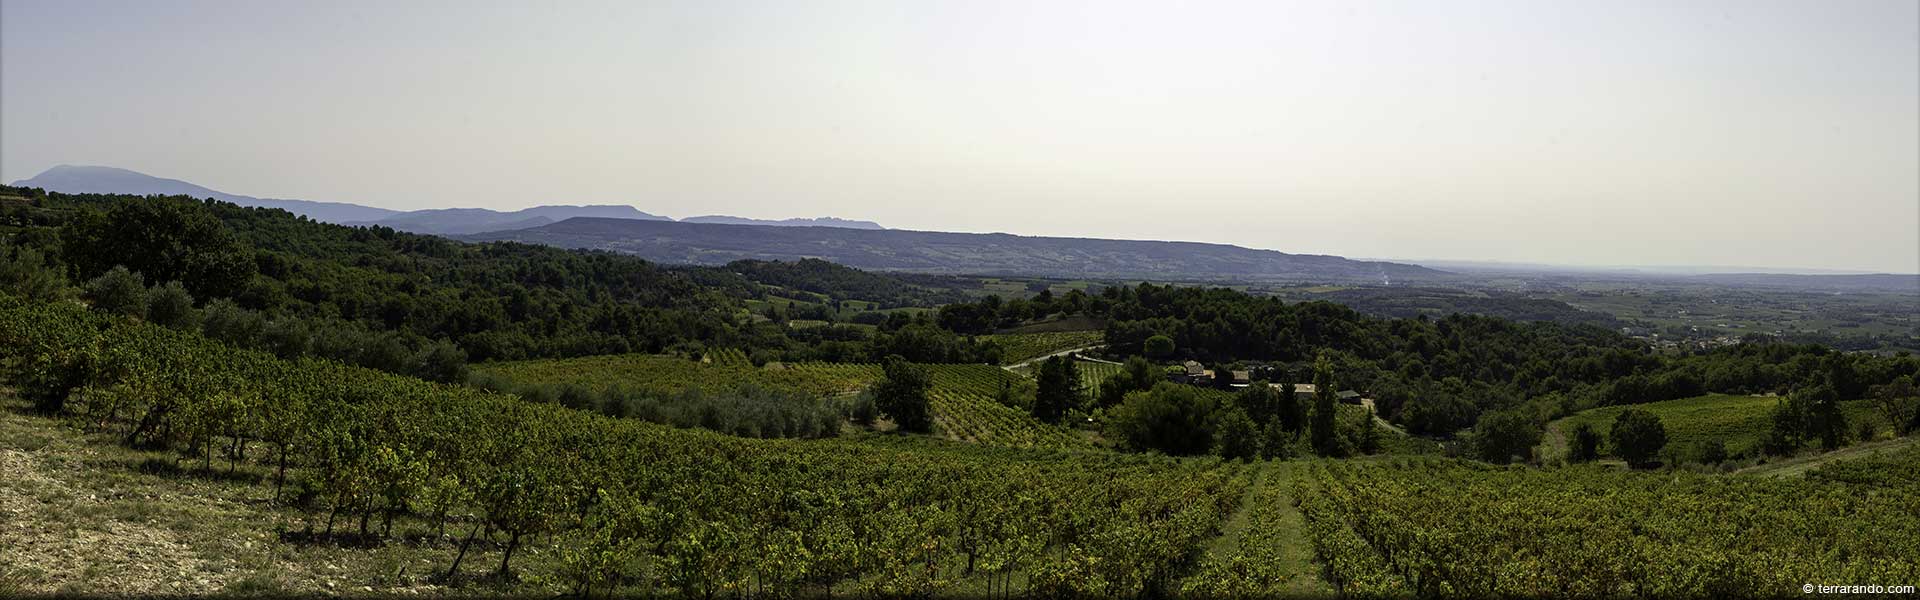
77	179
80	179
459	221
819	222
940	252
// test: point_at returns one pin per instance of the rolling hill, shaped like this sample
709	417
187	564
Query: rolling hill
940	252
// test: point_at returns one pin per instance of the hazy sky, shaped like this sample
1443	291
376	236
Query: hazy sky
1746	132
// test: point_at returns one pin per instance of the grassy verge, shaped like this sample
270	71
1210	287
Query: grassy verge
1799	465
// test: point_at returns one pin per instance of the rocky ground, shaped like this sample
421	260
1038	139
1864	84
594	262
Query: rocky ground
85	516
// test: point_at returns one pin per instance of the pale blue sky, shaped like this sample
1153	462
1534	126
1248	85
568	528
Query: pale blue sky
1618	132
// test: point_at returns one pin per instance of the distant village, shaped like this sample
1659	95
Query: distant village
1671	344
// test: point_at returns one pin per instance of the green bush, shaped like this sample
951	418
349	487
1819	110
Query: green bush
1235	435
170	305
1637	437
1171	418
118	291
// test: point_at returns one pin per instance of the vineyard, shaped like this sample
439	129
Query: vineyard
1740	422
570	501
1022	347
1269	559
615	505
1891	468
719	371
963	395
1443	528
1092	374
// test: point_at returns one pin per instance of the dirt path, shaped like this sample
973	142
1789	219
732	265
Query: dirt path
1236	526
1036	359
1368	402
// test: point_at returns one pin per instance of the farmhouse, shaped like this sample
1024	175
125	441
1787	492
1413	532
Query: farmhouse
1241	379
1305	391
1194	373
1301	391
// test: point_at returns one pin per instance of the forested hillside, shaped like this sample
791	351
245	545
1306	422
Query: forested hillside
424	305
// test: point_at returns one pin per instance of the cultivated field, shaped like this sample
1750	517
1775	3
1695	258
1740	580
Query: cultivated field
1740	422
1022	347
964	395
1446	528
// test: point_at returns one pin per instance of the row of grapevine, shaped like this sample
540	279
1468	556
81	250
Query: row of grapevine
1892	468
629	505
1092	374
1264	564
723	370
965	405
1448	528
1021	347
964	395
729	357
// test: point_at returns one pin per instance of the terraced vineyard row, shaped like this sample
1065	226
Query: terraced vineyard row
1446	528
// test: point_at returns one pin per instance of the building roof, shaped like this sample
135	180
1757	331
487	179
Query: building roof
1298	388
